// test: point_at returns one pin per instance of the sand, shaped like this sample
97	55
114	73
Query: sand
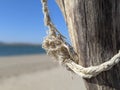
36	72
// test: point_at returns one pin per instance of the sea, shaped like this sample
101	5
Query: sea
11	50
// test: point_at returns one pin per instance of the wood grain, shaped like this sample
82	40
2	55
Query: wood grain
94	28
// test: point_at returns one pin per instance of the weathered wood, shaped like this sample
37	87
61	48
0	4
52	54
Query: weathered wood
94	28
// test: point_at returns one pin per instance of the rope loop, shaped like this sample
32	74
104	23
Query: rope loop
57	47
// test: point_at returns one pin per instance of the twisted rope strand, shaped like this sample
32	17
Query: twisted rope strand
57	47
47	19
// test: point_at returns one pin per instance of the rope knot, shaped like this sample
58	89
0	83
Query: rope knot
55	46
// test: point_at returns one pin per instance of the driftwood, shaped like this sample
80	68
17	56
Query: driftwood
94	28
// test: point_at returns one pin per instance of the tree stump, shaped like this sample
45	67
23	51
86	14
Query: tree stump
94	28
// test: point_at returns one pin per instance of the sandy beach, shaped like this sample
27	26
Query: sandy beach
36	72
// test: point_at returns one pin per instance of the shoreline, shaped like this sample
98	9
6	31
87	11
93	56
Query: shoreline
29	54
17	65
22	55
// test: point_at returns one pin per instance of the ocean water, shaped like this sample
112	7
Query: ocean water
10	50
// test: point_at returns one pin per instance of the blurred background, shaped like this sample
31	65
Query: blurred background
23	63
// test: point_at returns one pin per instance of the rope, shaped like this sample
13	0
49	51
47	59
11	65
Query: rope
57	47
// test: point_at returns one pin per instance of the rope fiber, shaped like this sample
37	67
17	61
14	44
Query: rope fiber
57	47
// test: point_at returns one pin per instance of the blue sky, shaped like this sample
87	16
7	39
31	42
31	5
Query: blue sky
21	21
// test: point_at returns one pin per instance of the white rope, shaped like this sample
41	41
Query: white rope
55	46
